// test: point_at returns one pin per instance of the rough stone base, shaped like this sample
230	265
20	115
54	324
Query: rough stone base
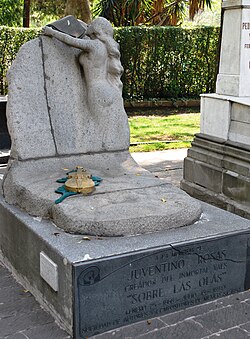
217	172
129	200
145	276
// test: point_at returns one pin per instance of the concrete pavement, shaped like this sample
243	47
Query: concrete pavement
165	164
227	318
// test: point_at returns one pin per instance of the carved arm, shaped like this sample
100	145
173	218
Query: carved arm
84	44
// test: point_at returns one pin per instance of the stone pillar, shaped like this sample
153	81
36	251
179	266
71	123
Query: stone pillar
217	166
234	74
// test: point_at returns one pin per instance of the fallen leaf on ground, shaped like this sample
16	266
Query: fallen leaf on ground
86	238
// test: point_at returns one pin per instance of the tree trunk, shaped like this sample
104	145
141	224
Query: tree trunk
80	9
158	7
26	13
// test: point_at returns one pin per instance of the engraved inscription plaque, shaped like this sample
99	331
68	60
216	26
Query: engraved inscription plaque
123	289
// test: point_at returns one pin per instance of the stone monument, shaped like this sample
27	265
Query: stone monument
217	166
118	255
75	116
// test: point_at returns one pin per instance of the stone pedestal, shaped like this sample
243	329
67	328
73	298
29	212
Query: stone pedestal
234	74
217	172
217	166
94	284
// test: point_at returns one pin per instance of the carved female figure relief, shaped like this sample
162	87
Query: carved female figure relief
100	60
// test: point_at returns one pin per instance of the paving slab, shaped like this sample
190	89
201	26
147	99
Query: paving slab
160	161
21	316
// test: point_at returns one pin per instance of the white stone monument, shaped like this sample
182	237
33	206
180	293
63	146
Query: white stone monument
220	152
222	114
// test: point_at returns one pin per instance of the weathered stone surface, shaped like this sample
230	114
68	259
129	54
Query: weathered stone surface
225	117
225	185
236	187
76	129
203	174
239	132
129	200
85	98
31	184
67	110
27	109
136	211
213	123
240	112
48	99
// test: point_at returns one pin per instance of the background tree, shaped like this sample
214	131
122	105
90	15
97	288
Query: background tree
80	9
196	5
49	7
45	11
119	12
152	12
123	12
165	13
26	13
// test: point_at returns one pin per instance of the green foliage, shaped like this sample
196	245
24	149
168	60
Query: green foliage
11	12
168	62
159	62
49	7
45	11
123	12
150	12
11	39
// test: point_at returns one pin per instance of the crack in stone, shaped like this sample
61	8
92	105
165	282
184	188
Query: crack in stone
69	155
207	259
45	77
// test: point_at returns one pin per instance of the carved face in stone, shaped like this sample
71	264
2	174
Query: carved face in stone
99	26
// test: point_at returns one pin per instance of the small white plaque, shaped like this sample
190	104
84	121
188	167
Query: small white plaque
48	271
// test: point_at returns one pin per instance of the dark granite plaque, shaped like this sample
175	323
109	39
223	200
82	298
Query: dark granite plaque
120	290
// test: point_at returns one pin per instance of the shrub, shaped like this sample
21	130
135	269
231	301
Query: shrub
168	62
11	39
11	12
159	62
